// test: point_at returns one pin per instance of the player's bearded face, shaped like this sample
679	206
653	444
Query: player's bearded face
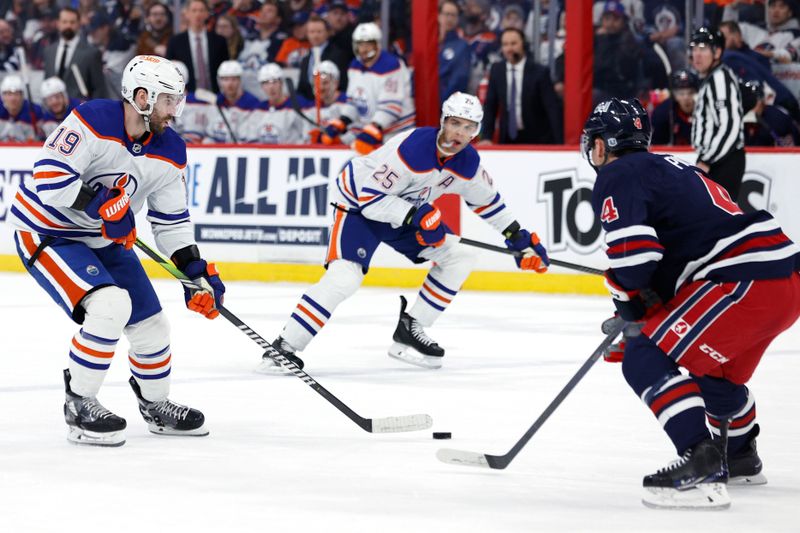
168	106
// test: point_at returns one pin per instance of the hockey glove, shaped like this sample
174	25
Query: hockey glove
369	140
616	352
534	254
331	132
212	292
112	206
315	136
428	219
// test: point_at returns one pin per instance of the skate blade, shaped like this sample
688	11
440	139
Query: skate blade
741	481
84	437
163	430
404	353
703	496
269	367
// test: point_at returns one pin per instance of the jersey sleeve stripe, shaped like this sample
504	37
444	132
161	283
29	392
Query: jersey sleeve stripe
635	260
630	231
167	160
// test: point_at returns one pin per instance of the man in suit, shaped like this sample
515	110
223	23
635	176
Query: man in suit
521	93
202	51
71	50
317	32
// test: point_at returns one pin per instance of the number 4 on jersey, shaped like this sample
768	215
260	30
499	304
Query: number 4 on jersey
609	212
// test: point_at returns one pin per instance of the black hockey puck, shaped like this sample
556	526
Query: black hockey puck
442	435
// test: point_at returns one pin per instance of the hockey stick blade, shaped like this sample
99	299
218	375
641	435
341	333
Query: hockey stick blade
462	457
507	251
394	424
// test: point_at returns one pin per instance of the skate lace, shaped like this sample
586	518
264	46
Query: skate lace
96	409
172	409
677	463
419	334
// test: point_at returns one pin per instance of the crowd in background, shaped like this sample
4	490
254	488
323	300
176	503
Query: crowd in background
486	48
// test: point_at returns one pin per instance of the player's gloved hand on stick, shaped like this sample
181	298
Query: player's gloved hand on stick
112	206
534	254
370	139
211	293
331	132
428	219
616	352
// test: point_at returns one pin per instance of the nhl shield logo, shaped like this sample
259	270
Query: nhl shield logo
136	148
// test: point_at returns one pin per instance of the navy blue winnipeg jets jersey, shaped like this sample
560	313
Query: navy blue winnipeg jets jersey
667	224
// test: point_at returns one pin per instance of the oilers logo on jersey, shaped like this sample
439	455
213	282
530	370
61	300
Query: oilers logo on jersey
117	179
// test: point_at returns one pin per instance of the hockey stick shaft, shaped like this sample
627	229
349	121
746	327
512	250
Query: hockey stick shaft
295	105
507	251
384	425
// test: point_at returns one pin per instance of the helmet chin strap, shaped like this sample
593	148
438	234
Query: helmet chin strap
145	115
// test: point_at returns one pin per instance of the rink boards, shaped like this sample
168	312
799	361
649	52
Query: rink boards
263	212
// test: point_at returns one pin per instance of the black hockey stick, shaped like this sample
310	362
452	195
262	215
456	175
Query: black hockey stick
556	262
392	424
295	105
498	462
204	95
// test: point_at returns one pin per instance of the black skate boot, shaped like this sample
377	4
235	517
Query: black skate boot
412	344
696	480
269	366
89	422
744	467
166	417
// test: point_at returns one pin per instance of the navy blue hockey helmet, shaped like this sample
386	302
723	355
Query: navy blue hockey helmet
684	79
622	124
752	93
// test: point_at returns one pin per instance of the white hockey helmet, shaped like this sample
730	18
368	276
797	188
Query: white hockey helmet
52	86
463	105
229	69
270	72
182	68
157	76
366	32
12	84
329	69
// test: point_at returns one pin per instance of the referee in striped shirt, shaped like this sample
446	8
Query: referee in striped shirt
717	126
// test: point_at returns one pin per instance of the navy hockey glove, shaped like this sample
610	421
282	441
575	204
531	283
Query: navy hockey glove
616	352
210	296
112	206
428	219
535	255
369	140
331	132
632	305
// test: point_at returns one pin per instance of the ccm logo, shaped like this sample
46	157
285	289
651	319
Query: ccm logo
713	354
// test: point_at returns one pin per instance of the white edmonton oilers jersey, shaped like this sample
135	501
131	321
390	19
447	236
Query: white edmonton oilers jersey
238	114
327	113
194	120
19	128
270	124
91	147
380	94
407	171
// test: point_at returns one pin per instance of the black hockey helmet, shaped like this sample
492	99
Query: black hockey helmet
683	79
705	36
622	124
752	92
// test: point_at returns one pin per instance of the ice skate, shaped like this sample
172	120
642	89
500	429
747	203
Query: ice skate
412	345
89	422
166	417
269	366
697	480
744	467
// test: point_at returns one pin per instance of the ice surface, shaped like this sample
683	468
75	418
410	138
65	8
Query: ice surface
280	458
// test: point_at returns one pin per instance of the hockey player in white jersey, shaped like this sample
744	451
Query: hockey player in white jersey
19	118
275	121
332	103
56	104
387	196
194	120
380	103
232	100
75	225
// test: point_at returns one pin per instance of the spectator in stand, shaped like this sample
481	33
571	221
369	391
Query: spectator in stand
318	32
216	8
228	29
341	27
126	17
46	35
70	50
235	102
246	13
780	42
56	104
269	39
116	50
455	55
664	28
18	117
617	55
672	119
476	32
296	46
765	125
276	120
8	58
157	31
513	17
521	94
202	51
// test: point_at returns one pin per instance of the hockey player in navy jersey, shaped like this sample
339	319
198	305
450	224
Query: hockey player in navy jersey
75	224
387	197
728	284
